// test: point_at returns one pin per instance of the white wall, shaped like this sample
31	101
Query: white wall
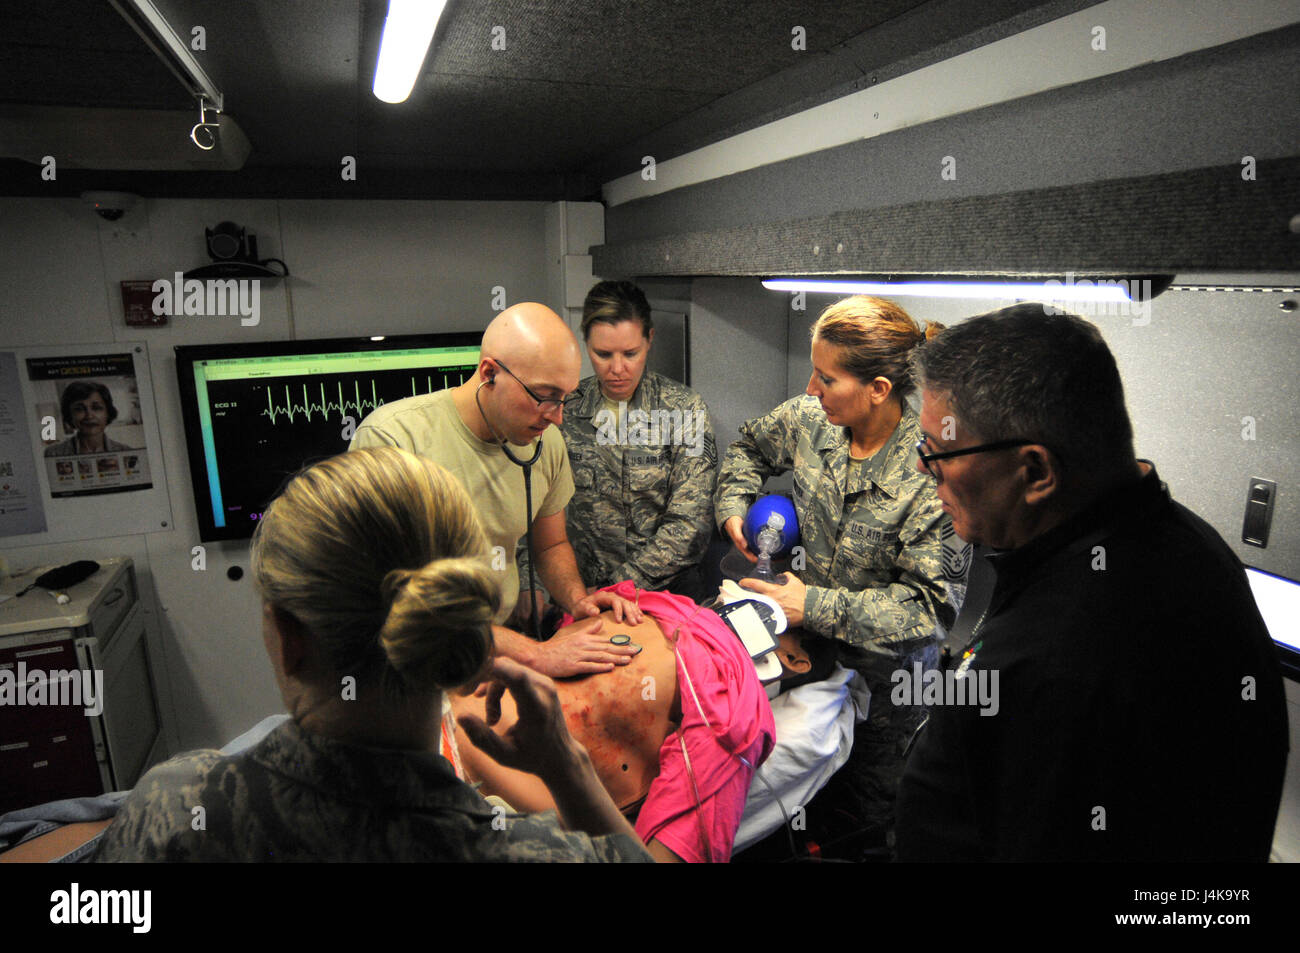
1193	369
357	268
738	351
1203	362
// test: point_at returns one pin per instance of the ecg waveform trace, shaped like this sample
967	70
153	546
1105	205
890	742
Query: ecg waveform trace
360	405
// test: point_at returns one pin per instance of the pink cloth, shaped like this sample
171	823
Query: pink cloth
740	716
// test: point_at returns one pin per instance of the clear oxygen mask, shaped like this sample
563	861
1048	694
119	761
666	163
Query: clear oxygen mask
770	539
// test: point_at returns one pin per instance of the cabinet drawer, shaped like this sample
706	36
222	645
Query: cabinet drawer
112	606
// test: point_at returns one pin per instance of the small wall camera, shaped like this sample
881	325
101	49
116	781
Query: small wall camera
230	242
110	206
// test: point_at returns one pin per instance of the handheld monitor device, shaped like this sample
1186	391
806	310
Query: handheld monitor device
749	620
256	413
757	621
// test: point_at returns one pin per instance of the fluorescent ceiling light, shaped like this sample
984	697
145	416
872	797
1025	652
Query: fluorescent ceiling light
408	31
1072	289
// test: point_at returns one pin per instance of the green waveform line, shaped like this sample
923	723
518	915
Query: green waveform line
307	408
340	407
460	378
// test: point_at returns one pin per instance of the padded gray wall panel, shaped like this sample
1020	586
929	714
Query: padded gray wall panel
1204	220
1206	108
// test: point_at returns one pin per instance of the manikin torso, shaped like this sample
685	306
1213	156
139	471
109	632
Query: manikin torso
621	717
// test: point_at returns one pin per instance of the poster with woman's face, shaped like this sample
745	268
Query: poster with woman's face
88	415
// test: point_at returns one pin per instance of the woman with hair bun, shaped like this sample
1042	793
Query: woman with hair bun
377	600
871	573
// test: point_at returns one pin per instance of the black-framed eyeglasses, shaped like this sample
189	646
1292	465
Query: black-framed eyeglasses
544	404
929	458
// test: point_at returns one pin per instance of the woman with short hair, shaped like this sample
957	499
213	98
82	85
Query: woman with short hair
642	452
87	409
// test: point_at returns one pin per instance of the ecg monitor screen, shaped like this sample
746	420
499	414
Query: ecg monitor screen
1278	599
1279	603
256	413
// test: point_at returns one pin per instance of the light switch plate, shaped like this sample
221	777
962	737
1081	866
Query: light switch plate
1259	512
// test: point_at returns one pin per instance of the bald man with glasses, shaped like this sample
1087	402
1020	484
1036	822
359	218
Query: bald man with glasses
1139	711
528	366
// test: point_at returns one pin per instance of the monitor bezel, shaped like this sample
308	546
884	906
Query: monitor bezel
1287	658
187	354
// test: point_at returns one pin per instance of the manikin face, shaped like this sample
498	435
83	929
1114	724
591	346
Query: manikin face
89	416
979	491
844	398
514	412
618	355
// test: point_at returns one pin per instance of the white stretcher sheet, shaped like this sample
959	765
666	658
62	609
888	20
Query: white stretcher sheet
814	734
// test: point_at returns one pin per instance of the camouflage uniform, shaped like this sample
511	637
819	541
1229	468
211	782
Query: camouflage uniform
641	507
872	539
298	796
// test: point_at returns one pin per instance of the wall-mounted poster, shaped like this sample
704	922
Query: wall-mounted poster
21	510
88	412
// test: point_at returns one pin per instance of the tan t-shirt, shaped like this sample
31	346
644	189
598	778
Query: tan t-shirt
430	426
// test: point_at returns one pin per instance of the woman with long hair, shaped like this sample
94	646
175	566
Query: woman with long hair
377	600
870	573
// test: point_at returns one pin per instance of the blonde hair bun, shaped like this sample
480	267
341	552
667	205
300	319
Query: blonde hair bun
378	553
453	599
874	338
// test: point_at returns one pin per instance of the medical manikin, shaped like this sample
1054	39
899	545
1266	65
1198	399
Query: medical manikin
631	719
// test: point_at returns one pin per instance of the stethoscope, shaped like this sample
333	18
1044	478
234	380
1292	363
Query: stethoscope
527	467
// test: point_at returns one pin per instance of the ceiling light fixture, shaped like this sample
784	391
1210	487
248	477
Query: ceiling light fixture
175	54
408	31
158	35
1070	288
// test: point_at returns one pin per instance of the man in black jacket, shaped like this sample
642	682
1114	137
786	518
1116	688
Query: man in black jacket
1140	712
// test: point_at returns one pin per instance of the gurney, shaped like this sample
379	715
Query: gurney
814	730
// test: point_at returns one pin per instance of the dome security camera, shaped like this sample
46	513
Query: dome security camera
110	206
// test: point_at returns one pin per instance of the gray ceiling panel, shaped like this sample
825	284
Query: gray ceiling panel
503	123
578	88
708	46
923	35
80	53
